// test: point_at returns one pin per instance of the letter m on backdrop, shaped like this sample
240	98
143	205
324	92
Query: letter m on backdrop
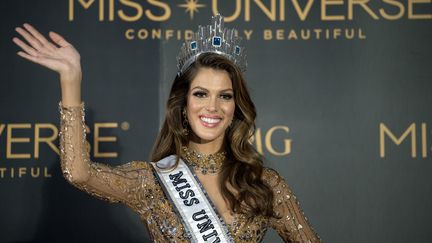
85	4
384	131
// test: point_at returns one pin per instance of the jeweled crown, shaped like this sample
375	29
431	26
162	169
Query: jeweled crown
212	38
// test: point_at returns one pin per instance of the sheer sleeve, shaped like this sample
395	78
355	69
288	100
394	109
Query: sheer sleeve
113	184
289	222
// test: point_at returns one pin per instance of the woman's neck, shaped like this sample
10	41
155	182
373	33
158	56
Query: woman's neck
205	148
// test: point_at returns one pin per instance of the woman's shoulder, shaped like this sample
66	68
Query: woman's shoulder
133	167
272	177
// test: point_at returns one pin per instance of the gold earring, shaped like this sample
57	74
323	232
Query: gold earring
185	130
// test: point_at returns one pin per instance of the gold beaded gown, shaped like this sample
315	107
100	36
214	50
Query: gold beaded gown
135	185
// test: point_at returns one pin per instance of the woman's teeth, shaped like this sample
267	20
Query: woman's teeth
210	120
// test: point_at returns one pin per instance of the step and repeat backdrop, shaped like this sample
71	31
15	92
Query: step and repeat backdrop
343	90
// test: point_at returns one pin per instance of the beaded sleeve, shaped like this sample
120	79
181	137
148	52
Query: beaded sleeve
290	223
113	184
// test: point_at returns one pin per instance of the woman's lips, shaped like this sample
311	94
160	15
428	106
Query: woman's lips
210	121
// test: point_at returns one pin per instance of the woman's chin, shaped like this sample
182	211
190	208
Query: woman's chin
206	137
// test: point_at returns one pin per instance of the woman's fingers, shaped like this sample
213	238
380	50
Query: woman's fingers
58	39
43	60
25	47
33	55
28	57
39	36
29	38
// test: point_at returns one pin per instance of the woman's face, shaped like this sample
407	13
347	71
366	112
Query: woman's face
210	105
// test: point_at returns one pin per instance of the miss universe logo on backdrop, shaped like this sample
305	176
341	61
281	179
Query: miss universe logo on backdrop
279	20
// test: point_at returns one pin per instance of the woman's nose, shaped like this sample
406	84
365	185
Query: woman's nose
212	105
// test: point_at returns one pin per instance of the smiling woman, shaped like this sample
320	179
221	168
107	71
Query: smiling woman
210	105
208	183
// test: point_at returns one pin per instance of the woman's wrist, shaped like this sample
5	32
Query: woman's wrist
71	94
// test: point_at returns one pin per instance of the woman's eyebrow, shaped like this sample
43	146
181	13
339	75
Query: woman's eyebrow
199	87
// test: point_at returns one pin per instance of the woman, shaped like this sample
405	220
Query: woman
208	184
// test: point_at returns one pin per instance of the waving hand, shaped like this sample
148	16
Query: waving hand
58	55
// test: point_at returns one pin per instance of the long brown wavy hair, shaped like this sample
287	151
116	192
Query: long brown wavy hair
243	167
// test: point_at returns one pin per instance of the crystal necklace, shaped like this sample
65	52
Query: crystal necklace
211	163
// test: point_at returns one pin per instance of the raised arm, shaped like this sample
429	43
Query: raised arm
110	183
113	184
290	223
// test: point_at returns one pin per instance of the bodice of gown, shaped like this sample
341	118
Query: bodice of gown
135	185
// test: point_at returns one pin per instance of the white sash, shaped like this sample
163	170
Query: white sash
186	193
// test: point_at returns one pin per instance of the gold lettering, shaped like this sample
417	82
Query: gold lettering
71	11
46	174
164	6
292	35
111	10
142	34
361	35
2	126
156	33
280	34
48	140
349	33
396	16
247	10
363	4
22	171
268	35
247	33
188	34
268	143
129	34
33	174
168	34
305	34
11	140
133	5
86	5
336	33
2	171
318	33
411	14
257	138
385	131
424	142
270	13
101	10
227	18
97	139
281	10
302	13
324	4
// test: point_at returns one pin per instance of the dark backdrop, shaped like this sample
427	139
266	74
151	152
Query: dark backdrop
343	113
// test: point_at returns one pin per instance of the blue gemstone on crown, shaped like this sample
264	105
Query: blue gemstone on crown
193	45
217	41
237	50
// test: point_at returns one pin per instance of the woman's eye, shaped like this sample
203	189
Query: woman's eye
227	96
199	94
